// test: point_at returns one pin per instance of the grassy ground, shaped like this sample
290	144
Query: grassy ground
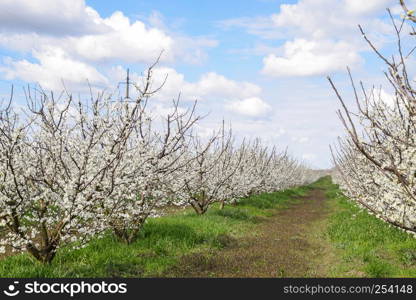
364	245
161	244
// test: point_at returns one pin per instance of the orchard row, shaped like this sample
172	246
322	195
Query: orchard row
72	170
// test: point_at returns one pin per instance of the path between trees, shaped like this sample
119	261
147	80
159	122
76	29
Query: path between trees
289	244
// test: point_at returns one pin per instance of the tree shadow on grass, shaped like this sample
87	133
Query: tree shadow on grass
235	214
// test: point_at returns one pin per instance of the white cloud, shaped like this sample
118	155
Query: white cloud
212	90
321	35
309	157
280	132
366	7
210	86
313	18
121	41
130	42
327	18
252	107
54	17
263	27
306	58
84	35
300	140
54	69
325	35
215	85
69	41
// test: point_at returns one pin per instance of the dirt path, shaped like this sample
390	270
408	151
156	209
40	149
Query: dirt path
286	245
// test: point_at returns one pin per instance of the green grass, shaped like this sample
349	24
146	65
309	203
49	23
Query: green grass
277	200
365	245
161	244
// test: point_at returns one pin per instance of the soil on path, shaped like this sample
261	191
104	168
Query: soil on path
288	244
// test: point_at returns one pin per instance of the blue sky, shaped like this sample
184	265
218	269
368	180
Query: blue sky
260	64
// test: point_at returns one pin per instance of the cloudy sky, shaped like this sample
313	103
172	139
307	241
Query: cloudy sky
259	64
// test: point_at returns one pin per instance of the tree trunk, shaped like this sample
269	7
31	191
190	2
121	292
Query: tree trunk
199	208
44	255
125	235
